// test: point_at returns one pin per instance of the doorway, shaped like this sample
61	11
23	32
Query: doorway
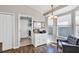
25	30
50	30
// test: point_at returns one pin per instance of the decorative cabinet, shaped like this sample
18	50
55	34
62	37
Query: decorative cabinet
40	39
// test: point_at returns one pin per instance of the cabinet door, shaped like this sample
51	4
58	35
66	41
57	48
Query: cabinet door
6	30
43	39
37	40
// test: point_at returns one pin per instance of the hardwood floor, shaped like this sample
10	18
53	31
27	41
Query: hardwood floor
25	41
50	48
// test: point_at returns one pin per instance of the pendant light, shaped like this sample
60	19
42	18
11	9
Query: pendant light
52	16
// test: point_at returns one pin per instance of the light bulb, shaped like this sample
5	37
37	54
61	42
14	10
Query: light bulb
55	17
52	17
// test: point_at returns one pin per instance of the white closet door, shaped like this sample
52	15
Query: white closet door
6	30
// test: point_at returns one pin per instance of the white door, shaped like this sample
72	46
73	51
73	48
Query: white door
6	30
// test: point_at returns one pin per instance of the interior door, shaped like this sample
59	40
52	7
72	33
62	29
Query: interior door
6	30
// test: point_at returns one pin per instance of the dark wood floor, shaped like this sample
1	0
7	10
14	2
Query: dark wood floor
51	48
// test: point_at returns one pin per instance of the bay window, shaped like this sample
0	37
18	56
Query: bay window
64	26
77	25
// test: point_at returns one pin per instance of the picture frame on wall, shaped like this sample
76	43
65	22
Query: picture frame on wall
38	24
42	24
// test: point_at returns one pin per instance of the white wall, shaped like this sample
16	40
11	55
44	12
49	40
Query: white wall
23	9
20	9
24	28
7	30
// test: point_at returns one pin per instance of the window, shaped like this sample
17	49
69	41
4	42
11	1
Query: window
77	25
64	27
77	22
64	31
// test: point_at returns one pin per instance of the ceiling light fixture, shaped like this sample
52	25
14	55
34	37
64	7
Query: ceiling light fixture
52	16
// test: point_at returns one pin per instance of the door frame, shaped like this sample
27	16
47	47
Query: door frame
19	33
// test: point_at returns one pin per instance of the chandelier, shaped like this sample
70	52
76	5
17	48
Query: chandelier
52	16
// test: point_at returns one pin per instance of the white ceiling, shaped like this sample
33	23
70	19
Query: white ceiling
65	10
44	8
